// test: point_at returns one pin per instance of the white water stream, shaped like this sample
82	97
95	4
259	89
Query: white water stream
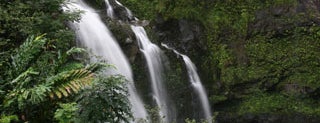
195	83
93	34
153	56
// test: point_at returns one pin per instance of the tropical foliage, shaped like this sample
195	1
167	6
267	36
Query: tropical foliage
261	56
66	113
40	75
28	87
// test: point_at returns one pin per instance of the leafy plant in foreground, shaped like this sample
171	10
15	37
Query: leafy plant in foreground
28	87
66	113
105	101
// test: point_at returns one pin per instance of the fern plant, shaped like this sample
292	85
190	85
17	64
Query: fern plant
62	84
73	81
30	85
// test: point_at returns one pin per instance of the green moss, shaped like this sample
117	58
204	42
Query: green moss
278	104
218	98
143	9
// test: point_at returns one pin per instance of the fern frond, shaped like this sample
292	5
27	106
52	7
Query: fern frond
58	93
73	88
62	85
67	83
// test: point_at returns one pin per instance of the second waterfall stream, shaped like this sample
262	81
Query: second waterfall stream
153	56
195	83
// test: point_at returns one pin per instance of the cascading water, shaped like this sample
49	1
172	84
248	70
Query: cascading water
153	56
95	36
195	83
110	11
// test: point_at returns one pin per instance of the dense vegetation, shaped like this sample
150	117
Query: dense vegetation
41	80
262	56
257	57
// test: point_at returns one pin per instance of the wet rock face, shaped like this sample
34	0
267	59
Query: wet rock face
120	12
187	34
126	38
184	35
187	37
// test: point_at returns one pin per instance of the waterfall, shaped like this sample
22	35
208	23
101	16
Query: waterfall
195	83
110	11
153	56
197	86
93	34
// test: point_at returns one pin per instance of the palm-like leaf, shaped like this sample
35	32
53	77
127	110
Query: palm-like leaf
62	84
69	82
